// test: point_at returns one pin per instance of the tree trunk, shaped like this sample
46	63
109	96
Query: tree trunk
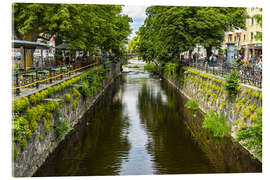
209	52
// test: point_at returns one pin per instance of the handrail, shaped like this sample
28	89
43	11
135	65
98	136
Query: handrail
54	77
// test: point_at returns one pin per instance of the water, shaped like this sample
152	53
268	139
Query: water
140	126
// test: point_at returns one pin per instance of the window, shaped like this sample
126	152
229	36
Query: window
252	21
244	38
251	36
234	38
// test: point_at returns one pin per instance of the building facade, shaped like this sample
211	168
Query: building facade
245	43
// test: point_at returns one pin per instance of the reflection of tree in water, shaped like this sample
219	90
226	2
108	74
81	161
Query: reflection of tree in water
223	153
171	148
180	145
96	146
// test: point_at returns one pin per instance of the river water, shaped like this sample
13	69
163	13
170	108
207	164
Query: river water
140	126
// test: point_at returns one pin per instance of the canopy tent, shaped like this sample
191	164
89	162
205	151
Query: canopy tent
62	46
28	45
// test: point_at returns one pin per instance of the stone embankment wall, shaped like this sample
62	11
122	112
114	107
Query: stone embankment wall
207	89
41	144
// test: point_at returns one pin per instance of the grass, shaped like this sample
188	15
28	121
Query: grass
216	124
192	105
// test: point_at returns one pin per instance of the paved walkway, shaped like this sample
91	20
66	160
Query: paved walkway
28	90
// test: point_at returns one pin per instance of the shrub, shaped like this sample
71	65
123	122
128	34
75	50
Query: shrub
170	68
252	108
216	124
192	105
76	93
20	104
19	127
62	128
151	67
68	98
85	90
50	91
251	137
47	126
246	113
232	82
40	138
75	104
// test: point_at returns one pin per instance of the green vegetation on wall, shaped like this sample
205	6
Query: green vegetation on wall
217	124
192	106
251	137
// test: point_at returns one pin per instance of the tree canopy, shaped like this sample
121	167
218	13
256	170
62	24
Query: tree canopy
258	18
169	30
82	26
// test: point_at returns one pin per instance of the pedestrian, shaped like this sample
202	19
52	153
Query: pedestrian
211	59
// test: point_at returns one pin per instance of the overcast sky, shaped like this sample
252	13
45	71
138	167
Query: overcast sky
137	13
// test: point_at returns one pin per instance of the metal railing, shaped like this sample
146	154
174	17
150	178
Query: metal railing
250	74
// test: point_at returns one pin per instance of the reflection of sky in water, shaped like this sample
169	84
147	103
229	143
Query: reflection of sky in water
138	160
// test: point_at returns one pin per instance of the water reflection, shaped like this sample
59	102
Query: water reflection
97	146
141	127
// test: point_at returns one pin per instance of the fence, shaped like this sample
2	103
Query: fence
250	74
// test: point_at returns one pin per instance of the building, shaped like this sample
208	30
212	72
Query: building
248	47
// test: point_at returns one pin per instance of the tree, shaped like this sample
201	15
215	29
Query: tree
169	30
133	44
258	18
82	26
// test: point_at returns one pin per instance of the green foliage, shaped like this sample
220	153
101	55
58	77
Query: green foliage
252	108
62	128
216	124
76	93
232	82
75	104
258	18
170	68
20	104
40	138
15	151
85	90
23	143
246	113
151	67
19	128
83	26
168	30
251	137
68	98
192	105
47	126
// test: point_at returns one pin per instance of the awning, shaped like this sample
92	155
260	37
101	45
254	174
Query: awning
29	44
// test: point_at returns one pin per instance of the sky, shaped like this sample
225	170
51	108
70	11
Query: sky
137	13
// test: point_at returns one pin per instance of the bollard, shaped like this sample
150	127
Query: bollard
37	84
50	75
18	91
61	72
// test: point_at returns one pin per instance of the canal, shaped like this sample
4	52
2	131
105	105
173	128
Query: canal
140	126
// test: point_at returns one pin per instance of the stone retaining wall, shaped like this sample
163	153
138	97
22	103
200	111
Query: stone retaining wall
36	151
208	90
